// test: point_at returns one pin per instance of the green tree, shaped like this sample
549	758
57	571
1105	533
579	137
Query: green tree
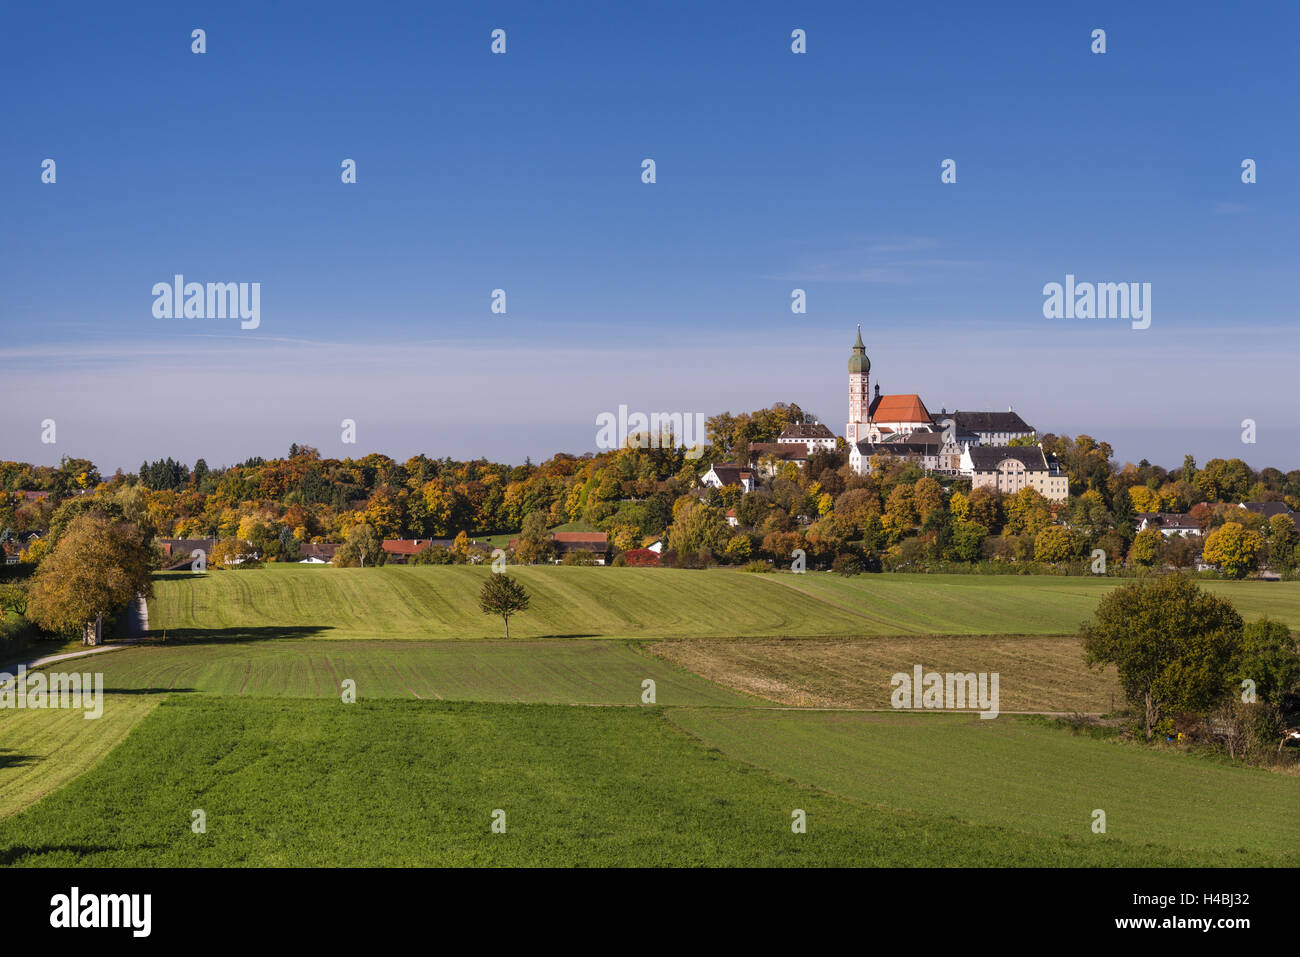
698	526
1281	542
363	547
534	543
1269	658
1173	645
504	596
967	541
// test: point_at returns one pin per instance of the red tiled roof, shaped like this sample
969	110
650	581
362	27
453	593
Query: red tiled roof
899	408
404	546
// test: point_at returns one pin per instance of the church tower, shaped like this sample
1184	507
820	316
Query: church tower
859	392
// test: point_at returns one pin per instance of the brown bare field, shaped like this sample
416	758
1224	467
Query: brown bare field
1036	673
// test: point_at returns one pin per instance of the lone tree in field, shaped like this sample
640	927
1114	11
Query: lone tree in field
98	566
363	547
502	595
1173	645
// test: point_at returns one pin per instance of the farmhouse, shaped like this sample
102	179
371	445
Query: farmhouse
1169	523
720	476
318	553
566	543
184	547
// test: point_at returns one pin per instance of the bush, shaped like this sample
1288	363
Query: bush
432	555
757	565
579	557
847	564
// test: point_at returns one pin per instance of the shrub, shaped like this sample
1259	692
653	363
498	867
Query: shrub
847	564
432	555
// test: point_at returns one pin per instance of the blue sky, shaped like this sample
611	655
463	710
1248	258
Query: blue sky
523	172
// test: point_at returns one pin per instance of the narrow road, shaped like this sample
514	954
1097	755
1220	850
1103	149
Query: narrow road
50	659
137	618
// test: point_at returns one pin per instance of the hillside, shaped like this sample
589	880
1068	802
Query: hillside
441	602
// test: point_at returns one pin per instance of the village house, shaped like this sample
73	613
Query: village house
317	553
568	543
720	476
1169	523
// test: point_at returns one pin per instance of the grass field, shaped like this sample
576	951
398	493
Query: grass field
239	714
295	782
441	602
1036	673
559	671
1017	774
42	750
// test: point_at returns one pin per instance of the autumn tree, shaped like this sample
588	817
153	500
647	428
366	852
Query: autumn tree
99	566
1232	547
534	543
233	553
698	526
504	596
1147	548
363	547
1173	645
1055	543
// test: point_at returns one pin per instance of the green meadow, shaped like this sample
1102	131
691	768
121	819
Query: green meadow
760	685
398	783
403	601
